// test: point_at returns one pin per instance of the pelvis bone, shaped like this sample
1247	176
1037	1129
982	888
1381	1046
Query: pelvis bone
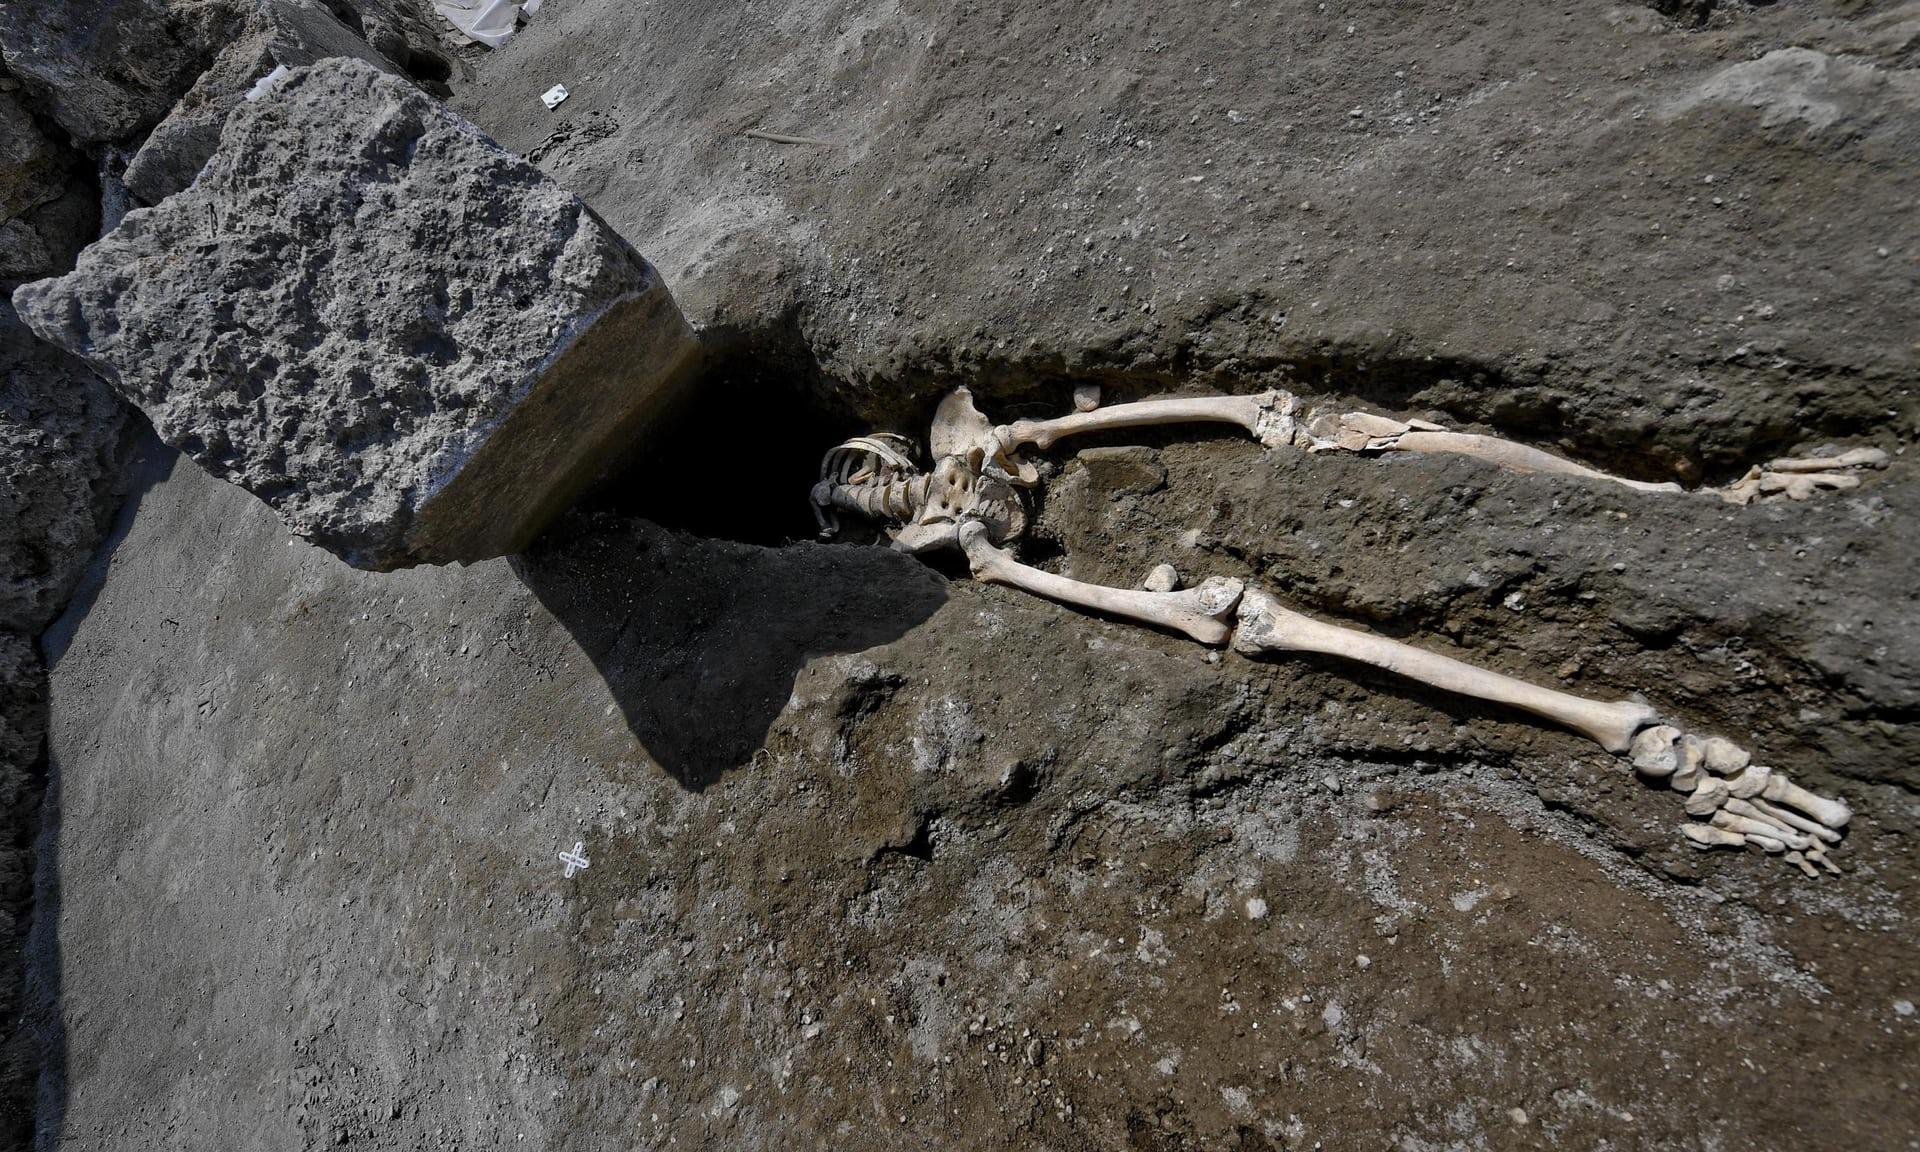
970	500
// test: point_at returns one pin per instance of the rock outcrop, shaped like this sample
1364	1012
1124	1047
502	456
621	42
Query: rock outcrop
108	69
276	33
412	344
48	206
62	442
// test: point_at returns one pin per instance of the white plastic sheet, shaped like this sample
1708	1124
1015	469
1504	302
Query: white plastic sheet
489	22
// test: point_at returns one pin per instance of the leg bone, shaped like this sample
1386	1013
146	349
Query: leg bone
1365	432
1265	626
1200	613
1267	416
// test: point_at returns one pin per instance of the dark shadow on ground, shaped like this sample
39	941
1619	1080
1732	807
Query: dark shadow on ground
700	639
152	463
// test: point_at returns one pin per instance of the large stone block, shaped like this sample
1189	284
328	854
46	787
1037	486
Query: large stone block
412	344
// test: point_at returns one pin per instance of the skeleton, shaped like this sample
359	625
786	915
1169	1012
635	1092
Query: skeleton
970	501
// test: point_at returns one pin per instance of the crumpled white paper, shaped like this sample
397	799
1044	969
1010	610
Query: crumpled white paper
488	22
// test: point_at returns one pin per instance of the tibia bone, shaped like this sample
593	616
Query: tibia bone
1200	613
1365	432
1266	626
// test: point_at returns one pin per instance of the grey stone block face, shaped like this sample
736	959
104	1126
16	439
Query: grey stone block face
412	344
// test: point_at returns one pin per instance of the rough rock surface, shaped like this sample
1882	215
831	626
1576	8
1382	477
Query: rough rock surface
277	32
107	69
23	721
62	442
410	343
47	206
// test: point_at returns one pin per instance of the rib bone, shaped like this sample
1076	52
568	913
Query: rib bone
1266	626
1200	613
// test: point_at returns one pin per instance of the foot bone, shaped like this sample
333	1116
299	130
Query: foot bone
1745	804
1799	477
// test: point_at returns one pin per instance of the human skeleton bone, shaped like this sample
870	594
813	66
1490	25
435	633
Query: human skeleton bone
970	500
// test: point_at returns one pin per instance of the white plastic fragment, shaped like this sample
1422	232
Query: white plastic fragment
553	96
267	83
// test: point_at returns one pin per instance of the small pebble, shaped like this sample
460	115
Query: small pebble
1903	1007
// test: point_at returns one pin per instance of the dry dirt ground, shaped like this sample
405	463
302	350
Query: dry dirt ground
882	858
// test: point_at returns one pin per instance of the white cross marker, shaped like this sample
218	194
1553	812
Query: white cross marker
575	859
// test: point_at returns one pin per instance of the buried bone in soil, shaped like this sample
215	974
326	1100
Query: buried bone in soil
971	500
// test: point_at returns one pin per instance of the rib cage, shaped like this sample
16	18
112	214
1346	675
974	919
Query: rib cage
872	475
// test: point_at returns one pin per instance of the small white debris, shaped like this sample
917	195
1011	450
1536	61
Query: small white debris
1362	962
266	84
1519	1115
1257	910
553	96
1903	1007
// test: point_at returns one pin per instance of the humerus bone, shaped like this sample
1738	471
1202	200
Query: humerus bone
1200	613
1265	626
